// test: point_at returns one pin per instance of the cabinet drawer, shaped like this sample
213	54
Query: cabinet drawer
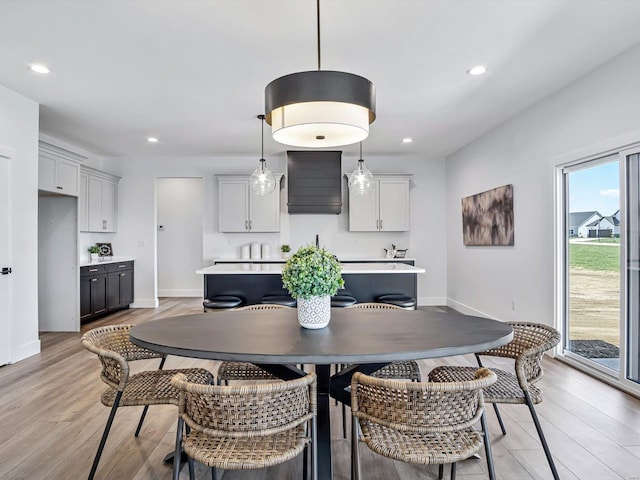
93	270
119	266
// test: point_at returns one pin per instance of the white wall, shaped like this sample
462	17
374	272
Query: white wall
180	203
137	226
19	131
599	107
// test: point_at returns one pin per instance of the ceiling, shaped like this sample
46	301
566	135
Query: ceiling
192	73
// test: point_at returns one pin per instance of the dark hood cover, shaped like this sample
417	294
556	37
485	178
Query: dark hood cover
314	182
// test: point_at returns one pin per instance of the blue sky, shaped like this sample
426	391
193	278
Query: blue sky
595	188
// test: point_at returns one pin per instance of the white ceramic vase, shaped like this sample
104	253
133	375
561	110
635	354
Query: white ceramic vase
95	257
314	312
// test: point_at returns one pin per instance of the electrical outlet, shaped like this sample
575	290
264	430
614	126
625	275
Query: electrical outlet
513	304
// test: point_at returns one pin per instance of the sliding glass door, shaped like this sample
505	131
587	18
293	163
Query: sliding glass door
599	252
592	243
632	344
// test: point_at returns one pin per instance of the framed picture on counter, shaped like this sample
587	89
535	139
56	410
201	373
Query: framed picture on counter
105	250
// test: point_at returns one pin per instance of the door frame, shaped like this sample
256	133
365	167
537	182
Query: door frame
621	147
9	155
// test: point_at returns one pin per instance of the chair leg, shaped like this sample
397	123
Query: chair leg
192	469
305	463
497	410
144	413
487	446
440	472
453	471
105	434
177	454
536	422
355	456
214	475
344	421
314	449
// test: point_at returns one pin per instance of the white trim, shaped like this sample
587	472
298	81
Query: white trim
25	351
146	303
431	301
180	292
467	310
607	147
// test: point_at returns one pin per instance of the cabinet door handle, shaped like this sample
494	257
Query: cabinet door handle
122	266
381	224
94	279
246	224
104	224
122	274
59	187
250	226
93	269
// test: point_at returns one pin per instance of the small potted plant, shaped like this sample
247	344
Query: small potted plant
94	251
312	275
285	250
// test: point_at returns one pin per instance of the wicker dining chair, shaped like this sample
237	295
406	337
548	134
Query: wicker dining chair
244	427
244	370
399	370
423	423
407	370
153	387
530	341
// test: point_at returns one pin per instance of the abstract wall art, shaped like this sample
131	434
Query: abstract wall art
487	218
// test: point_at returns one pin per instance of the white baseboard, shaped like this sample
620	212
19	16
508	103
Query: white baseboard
146	303
181	292
467	310
432	301
25	351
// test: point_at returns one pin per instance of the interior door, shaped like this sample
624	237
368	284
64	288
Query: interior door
5	256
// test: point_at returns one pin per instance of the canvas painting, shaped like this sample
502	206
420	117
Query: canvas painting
487	217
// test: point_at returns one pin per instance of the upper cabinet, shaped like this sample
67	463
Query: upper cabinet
385	209
239	210
98	202
58	169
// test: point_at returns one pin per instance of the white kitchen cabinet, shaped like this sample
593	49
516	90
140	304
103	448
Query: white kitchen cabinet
98	208
58	170
239	210
385	209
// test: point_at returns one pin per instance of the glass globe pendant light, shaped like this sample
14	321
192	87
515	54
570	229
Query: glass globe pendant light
361	180
262	181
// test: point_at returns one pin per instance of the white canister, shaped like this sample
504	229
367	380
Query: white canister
245	252
266	251
255	251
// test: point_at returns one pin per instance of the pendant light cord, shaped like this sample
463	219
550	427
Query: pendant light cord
318	22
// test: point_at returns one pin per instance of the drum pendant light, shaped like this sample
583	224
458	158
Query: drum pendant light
320	108
361	180
262	181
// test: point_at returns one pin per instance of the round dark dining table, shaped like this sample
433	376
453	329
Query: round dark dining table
366	339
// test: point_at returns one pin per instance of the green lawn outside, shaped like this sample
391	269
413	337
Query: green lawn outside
594	257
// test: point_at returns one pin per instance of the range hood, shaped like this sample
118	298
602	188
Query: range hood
314	182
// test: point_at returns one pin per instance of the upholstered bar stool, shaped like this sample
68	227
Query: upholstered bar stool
221	302
284	300
399	300
342	301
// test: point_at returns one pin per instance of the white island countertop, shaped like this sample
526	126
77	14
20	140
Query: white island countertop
276	268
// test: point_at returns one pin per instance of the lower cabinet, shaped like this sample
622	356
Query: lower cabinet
105	288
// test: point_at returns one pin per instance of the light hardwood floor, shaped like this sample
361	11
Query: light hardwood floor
51	421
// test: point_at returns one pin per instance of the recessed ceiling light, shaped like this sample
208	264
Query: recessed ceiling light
477	70
39	68
152	140
407	140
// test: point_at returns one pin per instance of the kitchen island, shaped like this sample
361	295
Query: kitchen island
363	280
